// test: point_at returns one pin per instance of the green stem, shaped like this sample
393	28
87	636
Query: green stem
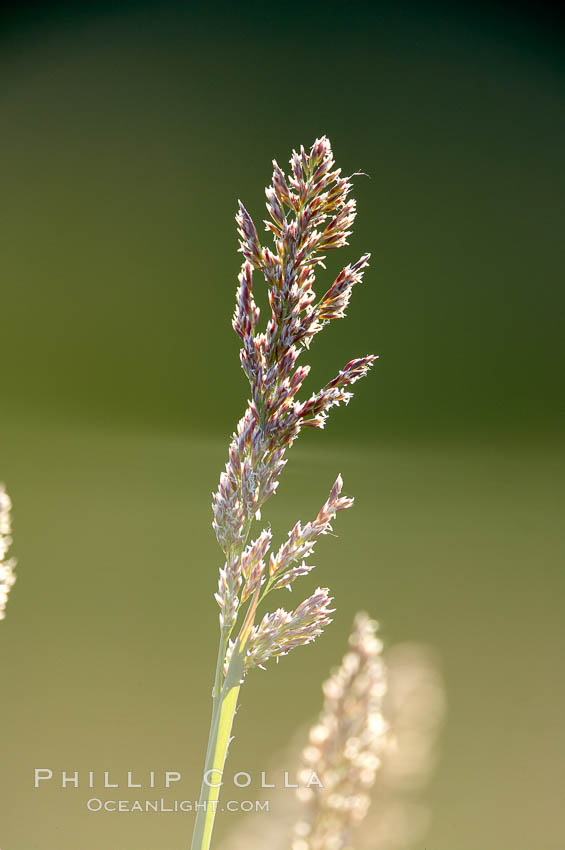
218	681
220	732
219	678
218	742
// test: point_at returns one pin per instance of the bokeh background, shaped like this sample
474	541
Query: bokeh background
128	132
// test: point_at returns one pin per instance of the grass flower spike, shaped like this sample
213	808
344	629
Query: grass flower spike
7	575
398	818
310	213
345	746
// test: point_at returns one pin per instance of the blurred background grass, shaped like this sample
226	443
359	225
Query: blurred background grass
128	132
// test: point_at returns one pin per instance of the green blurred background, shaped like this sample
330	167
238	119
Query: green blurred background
128	132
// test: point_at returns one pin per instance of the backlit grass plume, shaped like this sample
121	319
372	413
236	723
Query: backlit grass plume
7	575
309	214
345	746
406	745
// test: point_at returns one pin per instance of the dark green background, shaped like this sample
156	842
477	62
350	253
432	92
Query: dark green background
127	134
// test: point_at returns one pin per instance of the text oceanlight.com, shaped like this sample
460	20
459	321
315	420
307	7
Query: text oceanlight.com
97	782
95	804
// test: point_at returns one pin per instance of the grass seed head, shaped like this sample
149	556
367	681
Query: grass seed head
7	565
309	213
